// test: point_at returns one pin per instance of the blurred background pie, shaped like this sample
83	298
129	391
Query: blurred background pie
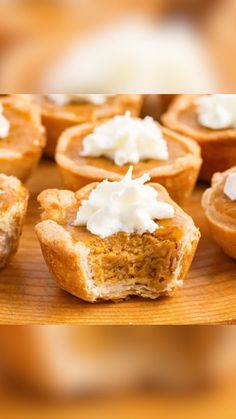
121	46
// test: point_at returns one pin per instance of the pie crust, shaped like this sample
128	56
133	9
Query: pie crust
22	149
13	205
56	118
121	265
220	212
178	175
218	147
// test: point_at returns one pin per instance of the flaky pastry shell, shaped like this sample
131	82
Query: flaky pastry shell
148	265
178	176
218	147
222	226
13	206
55	120
22	149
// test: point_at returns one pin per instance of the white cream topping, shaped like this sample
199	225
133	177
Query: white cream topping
64	99
230	186
125	139
217	111
126	206
4	124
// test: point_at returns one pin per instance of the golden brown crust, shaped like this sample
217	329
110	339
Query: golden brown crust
12	214
223	232
56	122
218	147
63	258
178	178
66	256
14	161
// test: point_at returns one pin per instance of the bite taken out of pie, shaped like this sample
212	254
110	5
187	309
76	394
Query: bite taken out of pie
97	151
13	206
22	136
61	111
219	203
112	240
211	121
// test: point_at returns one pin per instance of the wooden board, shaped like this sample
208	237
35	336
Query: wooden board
28	294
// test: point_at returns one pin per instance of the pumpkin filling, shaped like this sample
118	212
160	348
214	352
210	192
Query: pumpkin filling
132	260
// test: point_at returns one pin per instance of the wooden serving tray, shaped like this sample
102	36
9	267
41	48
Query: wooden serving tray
28	294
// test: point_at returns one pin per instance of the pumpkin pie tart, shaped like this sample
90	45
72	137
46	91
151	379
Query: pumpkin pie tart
13	205
219	203
60	111
112	240
21	136
206	119
171	159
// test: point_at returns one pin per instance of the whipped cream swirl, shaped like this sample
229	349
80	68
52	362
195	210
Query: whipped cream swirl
230	186
217	111
125	139
4	124
65	99
126	206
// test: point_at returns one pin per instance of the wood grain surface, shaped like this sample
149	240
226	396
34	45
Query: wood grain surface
28	294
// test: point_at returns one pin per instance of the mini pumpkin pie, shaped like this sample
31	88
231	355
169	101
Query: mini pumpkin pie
111	240
211	121
97	151
60	111
219	203
21	136
13	205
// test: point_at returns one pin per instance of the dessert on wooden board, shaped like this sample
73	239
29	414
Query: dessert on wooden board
22	136
211	121
96	151
219	203
111	235
112	240
13	205
61	111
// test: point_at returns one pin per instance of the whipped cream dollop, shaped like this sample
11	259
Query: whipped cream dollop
230	186
217	111
125	139
4	124
126	206
65	99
